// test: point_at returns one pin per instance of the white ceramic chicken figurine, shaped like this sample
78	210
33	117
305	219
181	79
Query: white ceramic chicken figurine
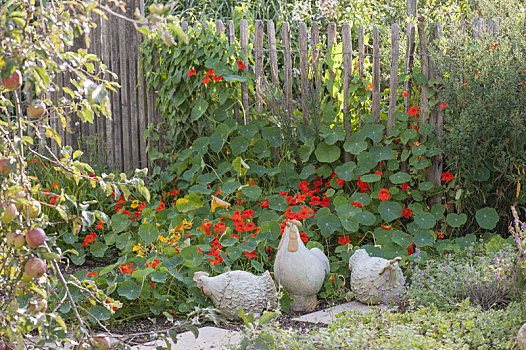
375	280
299	270
232	290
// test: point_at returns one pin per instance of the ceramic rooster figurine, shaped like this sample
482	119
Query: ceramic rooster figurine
238	289
375	280
299	270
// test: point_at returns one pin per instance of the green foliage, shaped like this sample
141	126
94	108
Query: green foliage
468	327
484	135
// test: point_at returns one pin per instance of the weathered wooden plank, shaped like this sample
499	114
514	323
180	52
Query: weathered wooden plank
243	37
101	155
271	37
114	137
315	38
409	62
304	70
393	79
132	53
220	27
141	100
482	28
287	67
122	139
411	7
184	25
361	50
347	76
475	29
375	108
331	41
106	57
258	60
424	59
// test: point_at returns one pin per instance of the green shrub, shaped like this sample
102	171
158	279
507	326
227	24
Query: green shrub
484	139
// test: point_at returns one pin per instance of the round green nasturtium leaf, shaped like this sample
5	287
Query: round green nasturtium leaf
228	187
351	224
390	211
305	151
307	171
366	218
327	153
366	160
129	290
190	202
371	178
252	192
148	233
278	203
373	131
419	150
272	134
267	216
393	164
487	218
99	313
334	134
159	276
400	177
423	239
438	211
324	171
408	135
362	198
481	174
425	220
402	116
425	186
248	130
239	144
98	249
401	238
416	208
467	241
261	148
425	129
200	145
456	220
381	153
417	196
345	171
328	224
120	222
355	146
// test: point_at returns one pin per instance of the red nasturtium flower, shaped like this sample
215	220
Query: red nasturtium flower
364	186
210	72
405	186
447	176
217	78
241	65
206	80
250	255
440	235
384	195
340	182
304	237
443	105
405	94
344	240
192	72
356	204
94	274
410	249
412	111
406	212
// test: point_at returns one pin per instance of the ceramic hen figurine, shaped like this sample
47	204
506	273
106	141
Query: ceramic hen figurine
375	280
299	270
238	289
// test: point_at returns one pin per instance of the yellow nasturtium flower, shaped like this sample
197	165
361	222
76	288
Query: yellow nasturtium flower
134	204
216	202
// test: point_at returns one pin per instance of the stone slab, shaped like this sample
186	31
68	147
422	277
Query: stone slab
328	316
210	338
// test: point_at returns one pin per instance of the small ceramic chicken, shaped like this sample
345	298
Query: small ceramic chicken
238	289
375	280
299	270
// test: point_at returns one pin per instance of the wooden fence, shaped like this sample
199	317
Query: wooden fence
118	143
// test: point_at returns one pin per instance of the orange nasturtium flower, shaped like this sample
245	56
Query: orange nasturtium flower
217	202
384	195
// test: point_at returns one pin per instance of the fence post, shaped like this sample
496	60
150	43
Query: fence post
285	33
409	52
243	36
271	35
231	34
141	99
424	57
411	7
331	40
315	37
258	59
393	83
347	75
304	70
376	75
